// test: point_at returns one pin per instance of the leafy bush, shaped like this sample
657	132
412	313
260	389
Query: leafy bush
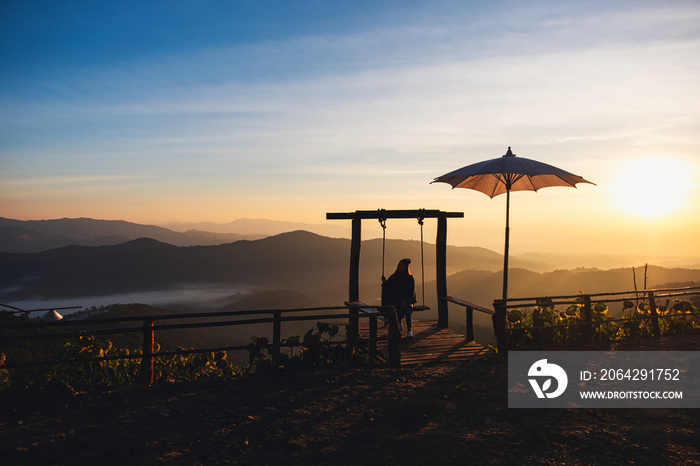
4	374
540	327
96	374
318	348
124	370
191	367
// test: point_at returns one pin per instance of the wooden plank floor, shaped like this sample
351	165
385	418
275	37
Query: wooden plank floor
430	344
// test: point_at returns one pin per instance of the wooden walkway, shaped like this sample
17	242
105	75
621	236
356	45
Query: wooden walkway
430	345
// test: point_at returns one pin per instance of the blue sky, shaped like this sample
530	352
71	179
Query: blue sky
176	111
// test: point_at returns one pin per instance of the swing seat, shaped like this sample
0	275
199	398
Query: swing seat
419	308
364	308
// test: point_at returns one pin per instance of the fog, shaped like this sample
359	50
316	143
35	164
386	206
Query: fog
189	296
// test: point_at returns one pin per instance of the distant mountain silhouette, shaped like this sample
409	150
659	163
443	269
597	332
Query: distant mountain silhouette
310	264
293	269
41	235
262	227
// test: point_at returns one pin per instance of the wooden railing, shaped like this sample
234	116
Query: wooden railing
374	313
502	331
351	313
470	308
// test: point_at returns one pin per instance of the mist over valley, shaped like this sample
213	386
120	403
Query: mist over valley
287	270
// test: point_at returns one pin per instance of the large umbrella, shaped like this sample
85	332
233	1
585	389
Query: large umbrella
505	174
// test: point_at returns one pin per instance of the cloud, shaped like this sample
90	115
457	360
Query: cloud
404	101
68	180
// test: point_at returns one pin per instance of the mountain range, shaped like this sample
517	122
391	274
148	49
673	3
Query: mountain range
41	235
28	236
260	227
314	264
294	269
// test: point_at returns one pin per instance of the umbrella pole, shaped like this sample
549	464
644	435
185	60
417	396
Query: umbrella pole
505	254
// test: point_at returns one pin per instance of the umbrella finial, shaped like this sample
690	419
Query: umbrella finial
509	153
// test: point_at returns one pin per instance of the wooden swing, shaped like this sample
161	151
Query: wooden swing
440	248
416	307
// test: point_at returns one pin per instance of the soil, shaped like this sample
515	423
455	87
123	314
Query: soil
452	413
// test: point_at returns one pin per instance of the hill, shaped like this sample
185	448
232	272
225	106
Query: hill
41	235
261	226
310	264
294	269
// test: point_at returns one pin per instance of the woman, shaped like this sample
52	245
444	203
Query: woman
400	291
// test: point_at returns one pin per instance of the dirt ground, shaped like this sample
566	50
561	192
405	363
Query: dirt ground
442	414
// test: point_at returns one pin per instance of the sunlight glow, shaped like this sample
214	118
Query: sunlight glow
652	187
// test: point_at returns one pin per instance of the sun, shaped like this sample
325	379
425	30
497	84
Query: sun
652	187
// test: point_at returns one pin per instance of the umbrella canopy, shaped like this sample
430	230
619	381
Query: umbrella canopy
505	174
509	173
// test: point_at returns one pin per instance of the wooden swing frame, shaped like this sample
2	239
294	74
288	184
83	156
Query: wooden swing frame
382	214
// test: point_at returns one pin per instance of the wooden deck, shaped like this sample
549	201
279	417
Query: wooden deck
430	345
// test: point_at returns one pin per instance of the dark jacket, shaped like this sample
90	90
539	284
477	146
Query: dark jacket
399	288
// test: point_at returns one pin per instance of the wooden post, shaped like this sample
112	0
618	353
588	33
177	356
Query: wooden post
373	336
147	351
353	326
655	331
499	325
356	242
354	286
276	338
587	317
394	339
470	324
441	270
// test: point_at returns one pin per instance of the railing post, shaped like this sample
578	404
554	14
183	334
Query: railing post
147	351
276	338
499	325
588	319
655	331
373	336
470	324
353	326
394	339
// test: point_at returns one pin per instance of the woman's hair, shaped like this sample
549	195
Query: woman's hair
404	261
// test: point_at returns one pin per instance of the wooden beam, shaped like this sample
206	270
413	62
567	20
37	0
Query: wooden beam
468	305
382	213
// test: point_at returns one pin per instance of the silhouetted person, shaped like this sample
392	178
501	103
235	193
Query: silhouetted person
400	291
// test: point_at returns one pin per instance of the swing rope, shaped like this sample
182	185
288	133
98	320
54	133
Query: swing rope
382	222
422	262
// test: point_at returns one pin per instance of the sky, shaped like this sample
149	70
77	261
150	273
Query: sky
192	111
